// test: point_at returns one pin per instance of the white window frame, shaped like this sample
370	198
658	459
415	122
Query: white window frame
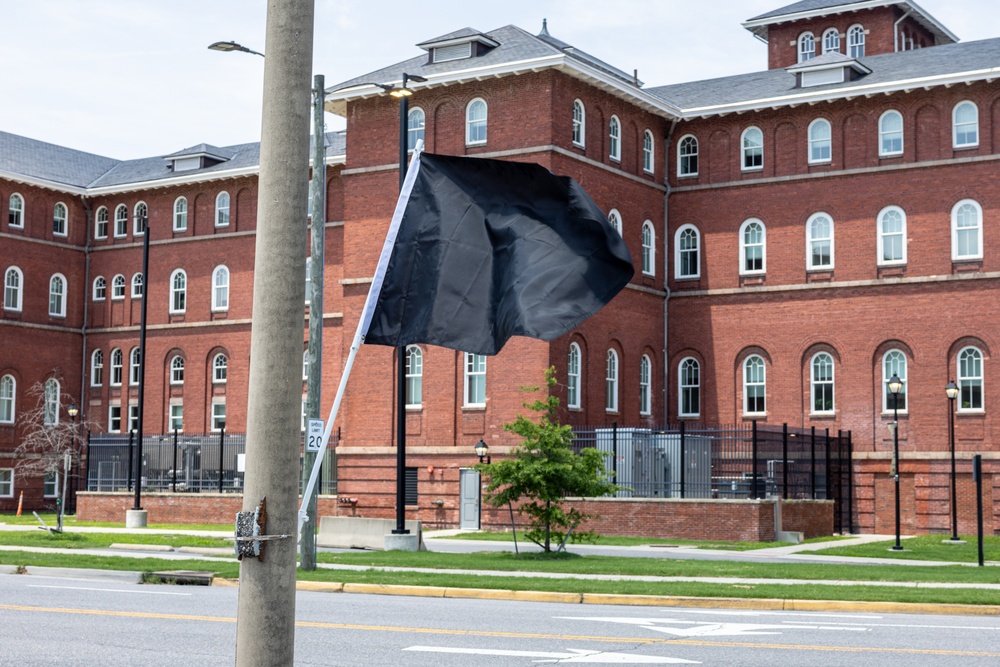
573	377
60	223
97	368
176	370
476	127
475	380
114	416
968	379
888	135
50	485
416	125
751	381
52	402
894	362
6	482
956	256
816	143
645	386
883	235
117	363
856	41
138	286
611	382
15	214
133	417
686	389
8	399
817	383
751	151
806	46
180	215
615	219
121	221
220	368
744	246
684	156
178	292
414	377
220	290
648	152
305	366
13	294
831	40
812	239
101	223
579	124
218	413
679	253
100	289
118	284
134	367
57	298
615	139
175	416
140	219
648	249
966	123
222	207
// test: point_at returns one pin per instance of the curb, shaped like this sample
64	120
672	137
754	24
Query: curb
80	573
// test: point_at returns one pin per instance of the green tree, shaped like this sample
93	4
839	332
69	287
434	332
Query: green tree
543	470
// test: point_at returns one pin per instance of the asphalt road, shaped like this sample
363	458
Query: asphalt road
89	623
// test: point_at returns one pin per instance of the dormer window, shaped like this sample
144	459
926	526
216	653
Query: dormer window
458	45
443	54
198	157
830	68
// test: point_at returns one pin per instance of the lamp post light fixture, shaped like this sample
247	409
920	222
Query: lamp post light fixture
73	410
895	388
951	391
483	451
232	46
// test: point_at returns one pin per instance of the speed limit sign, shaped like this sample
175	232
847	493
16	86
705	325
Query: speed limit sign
314	435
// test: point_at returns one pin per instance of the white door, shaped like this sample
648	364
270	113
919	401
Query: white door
469	489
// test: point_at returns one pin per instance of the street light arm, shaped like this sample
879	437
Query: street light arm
232	46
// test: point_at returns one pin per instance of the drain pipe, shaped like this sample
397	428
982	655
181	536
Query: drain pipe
86	308
895	29
666	263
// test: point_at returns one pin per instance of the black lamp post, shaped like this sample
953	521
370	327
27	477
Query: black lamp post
951	390
483	451
895	388
73	410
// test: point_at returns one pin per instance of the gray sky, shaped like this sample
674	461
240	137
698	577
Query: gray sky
133	78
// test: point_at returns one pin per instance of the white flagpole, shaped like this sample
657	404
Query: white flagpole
366	317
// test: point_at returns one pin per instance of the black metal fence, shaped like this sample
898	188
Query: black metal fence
181	462
748	461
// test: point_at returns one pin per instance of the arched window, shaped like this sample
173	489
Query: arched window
57	295
220	289
819	242
807	47
856	41
101	223
831	40
415	123
753	149
140	218
615	139
137	285
890	133
573	376
615	218
118	287
687	248
97	368
647	152
16	210
52	401
59	216
121	220
648	249
820	141
178	291
893	363
177	370
100	288
7	397
970	380
611	382
645	396
689	388
579	124
180	214
754	386
475	122
753	247
966	230
965	123
821	383
414	376
134	366
12	293
475	380
116	368
222	209
892	236
687	156
219	369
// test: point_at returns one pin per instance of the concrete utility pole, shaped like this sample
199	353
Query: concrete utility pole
265	630
317	239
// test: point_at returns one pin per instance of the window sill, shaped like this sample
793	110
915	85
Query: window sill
971	413
580	146
474	408
694	175
751	170
890	156
965	147
888	415
823	415
759	417
687	278
414	408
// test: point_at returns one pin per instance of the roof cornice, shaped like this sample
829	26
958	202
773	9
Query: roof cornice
42	183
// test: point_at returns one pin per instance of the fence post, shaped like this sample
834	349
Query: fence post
784	461
88	461
850	482
753	463
173	468
682	459
614	453
977	475
829	468
131	436
812	463
222	438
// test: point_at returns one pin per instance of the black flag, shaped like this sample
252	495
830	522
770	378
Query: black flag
488	249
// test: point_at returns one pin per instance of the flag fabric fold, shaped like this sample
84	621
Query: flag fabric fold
489	249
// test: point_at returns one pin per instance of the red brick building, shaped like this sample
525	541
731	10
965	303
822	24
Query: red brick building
800	234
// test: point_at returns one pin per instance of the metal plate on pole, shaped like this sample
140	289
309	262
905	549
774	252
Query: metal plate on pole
314	435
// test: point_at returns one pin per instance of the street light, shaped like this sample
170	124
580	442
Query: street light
895	387
483	451
232	46
951	391
73	410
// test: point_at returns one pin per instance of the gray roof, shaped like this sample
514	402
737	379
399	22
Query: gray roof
888	68
463	32
48	162
805	6
203	149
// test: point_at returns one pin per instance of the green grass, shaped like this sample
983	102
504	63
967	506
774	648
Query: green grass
41	538
616	541
925	547
28	519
